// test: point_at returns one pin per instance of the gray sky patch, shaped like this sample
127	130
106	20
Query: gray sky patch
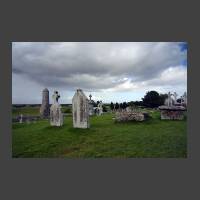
98	67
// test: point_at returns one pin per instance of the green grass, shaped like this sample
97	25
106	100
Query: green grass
105	139
31	111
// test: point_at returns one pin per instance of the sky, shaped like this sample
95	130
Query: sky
109	71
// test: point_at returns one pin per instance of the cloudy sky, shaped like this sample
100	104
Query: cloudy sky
110	71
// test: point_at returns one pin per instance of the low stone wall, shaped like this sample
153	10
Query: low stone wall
125	116
172	113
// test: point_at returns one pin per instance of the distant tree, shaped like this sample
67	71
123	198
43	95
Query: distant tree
116	106
138	103
131	104
162	98
111	106
125	105
121	106
104	108
151	99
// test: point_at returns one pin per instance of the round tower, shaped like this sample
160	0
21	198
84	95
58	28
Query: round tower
44	109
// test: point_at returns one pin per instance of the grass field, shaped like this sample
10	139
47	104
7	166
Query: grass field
25	111
105	139
33	111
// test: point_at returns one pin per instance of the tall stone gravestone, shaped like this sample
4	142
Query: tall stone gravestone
56	116
44	109
80	110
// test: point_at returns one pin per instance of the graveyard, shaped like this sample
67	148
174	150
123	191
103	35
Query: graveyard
105	138
99	100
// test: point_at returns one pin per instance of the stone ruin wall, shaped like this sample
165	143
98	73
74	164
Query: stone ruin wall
172	114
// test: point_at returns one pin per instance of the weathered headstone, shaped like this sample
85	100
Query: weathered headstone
80	109
100	108
44	109
56	116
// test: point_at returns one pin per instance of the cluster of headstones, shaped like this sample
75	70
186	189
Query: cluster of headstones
98	110
172	99
81	109
172	109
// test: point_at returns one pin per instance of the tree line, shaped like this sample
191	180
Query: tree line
152	99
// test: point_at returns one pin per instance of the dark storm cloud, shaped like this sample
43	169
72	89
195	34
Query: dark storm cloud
97	65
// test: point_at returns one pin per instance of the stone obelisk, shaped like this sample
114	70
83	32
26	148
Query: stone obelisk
45	109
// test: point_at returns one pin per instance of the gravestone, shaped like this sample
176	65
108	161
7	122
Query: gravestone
56	116
80	110
100	108
44	109
91	105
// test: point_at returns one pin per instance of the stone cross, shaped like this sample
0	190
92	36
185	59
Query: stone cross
56	115
91	106
55	97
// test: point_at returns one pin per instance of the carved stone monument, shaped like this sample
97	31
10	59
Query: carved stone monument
80	109
44	109
56	116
